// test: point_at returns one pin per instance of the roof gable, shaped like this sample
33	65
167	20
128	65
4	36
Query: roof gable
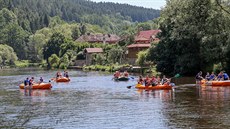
93	50
139	45
146	35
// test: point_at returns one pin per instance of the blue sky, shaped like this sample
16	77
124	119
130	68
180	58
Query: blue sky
155	4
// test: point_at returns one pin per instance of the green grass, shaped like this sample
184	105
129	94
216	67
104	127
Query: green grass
26	63
108	68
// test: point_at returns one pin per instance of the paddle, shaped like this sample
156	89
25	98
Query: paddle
130	86
132	77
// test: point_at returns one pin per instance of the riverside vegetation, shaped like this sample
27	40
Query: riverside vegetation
194	34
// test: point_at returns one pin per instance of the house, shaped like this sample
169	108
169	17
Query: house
147	36
99	38
133	50
89	52
142	42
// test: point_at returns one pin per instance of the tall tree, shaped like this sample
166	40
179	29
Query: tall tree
183	25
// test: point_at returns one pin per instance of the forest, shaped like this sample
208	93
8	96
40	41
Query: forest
31	27
195	35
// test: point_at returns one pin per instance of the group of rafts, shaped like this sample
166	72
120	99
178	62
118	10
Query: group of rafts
147	83
44	85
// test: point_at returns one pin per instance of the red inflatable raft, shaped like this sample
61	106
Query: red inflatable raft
158	87
38	86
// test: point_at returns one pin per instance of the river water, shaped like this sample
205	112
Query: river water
91	100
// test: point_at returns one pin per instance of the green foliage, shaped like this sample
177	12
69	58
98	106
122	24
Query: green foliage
64	62
54	45
108	68
12	34
99	59
54	61
25	63
190	40
141	58
115	55
7	55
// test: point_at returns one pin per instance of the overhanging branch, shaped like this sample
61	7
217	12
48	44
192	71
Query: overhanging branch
219	4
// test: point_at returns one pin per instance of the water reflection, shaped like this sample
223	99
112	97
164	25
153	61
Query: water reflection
93	100
159	94
41	93
214	93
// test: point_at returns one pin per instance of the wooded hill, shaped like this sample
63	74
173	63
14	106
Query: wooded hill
33	14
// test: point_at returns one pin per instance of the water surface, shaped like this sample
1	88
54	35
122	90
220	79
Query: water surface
92	100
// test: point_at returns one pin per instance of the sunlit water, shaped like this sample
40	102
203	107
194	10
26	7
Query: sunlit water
92	100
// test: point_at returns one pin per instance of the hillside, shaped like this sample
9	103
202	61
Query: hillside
33	14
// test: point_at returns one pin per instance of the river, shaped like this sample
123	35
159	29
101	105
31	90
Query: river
92	100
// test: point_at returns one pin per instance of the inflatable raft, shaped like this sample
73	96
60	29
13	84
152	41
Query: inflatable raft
62	79
217	83
158	87
121	79
38	86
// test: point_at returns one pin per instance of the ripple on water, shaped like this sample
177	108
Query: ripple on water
93	100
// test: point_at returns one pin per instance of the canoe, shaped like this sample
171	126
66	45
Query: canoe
217	83
38	86
158	87
122	79
62	79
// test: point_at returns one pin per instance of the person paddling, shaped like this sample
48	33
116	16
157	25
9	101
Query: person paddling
41	80
66	75
26	84
140	80
225	75
199	77
212	77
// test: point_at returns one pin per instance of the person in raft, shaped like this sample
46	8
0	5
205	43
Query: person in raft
140	80
41	80
199	77
164	80
26	84
58	75
207	77
225	75
220	76
31	82
126	74
66	74
147	81
116	74
212	77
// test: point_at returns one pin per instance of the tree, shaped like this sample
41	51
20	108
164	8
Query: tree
141	58
54	61
75	33
82	29
183	24
7	55
54	45
115	55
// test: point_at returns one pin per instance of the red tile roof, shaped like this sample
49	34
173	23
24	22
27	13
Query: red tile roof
93	50
147	35
139	45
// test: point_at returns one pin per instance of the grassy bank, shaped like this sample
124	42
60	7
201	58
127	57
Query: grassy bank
108	68
26	63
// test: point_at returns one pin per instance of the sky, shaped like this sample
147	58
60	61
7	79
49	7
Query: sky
155	4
